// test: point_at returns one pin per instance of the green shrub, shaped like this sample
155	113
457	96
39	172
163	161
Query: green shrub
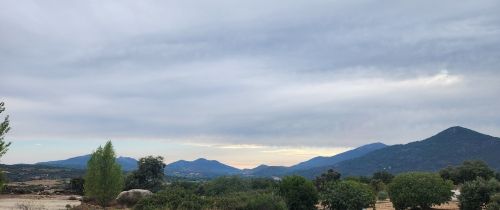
347	195
149	175
382	195
417	189
247	201
383	176
476	194
171	198
329	176
226	185
494	203
298	193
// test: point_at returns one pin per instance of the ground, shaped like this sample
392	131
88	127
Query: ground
36	202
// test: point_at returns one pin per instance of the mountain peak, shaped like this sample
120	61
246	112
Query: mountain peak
456	130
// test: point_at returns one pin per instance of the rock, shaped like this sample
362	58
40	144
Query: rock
131	197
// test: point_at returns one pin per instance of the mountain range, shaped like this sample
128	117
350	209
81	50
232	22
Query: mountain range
449	147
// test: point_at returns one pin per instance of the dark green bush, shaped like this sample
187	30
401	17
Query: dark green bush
226	185
383	176
494	203
382	195
247	201
329	176
171	198
468	171
417	189
347	195
298	193
476	194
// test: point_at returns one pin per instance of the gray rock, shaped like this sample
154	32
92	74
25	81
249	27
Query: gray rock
131	197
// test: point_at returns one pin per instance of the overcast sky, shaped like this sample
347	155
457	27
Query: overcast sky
244	82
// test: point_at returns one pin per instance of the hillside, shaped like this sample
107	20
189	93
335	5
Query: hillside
449	147
80	162
326	161
200	168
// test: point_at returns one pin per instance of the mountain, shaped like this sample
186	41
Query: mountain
80	162
449	147
326	161
200	168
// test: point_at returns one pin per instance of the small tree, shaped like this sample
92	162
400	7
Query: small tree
383	176
325	178
103	179
4	146
347	195
476	194
299	193
149	175
417	189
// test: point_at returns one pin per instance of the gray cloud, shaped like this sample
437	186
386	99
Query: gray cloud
287	73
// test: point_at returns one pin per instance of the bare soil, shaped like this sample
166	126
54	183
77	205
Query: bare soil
36	202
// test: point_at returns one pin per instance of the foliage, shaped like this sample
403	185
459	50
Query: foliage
76	185
383	176
4	128
476	194
382	195
171	198
347	195
103	179
468	171
329	176
263	184
418	189
251	200
149	175
225	185
4	146
298	193
494	203
361	179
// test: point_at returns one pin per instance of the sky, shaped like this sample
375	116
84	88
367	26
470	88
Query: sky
243	82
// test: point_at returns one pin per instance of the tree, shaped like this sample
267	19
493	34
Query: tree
4	128
418	189
468	171
477	193
347	195
383	176
103	179
299	193
323	179
149	175
4	146
76	185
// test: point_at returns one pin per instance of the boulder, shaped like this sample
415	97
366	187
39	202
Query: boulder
131	197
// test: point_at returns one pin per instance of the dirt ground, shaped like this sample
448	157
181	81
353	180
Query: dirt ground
36	202
387	205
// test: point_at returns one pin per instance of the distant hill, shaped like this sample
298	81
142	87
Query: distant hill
266	171
200	168
26	172
449	147
326	161
80	162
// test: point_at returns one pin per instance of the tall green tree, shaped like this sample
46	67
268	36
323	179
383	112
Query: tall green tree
103	179
347	195
4	146
149	175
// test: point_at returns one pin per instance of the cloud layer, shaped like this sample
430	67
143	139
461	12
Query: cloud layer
287	74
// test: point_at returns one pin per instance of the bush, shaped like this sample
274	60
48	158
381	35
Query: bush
226	185
383	176
329	176
247	201
417	189
476	194
298	193
343	195
76	185
171	198
494	203
382	195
